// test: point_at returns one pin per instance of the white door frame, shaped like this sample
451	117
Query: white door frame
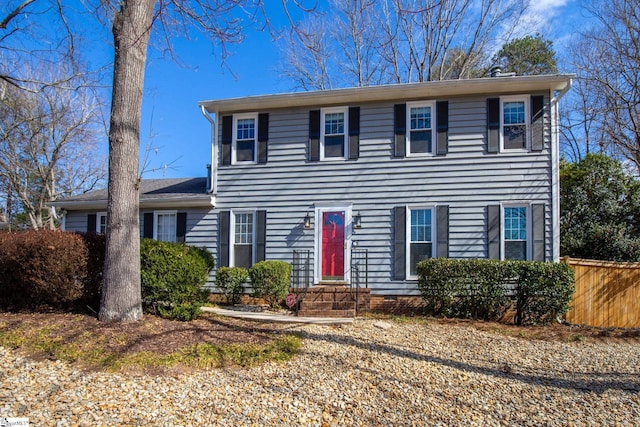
348	230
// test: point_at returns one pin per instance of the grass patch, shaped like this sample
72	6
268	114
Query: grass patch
149	346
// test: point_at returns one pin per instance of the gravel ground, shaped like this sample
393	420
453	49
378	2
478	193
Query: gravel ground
360	374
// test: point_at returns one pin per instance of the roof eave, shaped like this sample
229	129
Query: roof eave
410	91
155	203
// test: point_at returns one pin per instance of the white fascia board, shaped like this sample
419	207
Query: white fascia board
405	92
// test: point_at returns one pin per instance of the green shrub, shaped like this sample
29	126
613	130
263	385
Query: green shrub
42	268
464	288
173	276
231	280
270	280
544	291
483	288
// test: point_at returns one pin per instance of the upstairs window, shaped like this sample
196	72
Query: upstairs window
515	233
514	122
244	138
333	144
420	120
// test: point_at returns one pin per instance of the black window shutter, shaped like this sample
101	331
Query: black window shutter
181	227
227	136
354	132
493	125
314	135
91	223
442	224
224	222
538	228
147	227
399	247
537	123
263	137
442	127
493	231
261	235
400	130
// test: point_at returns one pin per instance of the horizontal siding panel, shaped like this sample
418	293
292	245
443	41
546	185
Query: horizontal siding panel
467	179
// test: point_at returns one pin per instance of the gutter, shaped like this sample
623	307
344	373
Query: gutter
213	185
555	170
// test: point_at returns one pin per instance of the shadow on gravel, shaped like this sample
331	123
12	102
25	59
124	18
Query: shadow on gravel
611	381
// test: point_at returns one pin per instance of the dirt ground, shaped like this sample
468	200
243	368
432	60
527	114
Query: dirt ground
162	336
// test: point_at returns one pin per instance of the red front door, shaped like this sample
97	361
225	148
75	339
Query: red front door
333	245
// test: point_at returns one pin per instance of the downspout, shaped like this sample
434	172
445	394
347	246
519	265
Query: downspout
213	185
555	171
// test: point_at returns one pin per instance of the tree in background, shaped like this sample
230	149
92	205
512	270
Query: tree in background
526	56
370	42
45	135
605	113
600	210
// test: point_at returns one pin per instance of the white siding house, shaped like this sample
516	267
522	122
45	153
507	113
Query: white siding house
459	168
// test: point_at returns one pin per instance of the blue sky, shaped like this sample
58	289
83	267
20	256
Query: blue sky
170	108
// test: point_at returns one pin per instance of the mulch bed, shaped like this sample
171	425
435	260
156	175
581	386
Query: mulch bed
152	333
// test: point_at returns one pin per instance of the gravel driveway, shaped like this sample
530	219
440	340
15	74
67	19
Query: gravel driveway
360	374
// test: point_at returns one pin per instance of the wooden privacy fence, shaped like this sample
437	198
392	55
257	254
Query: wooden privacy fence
607	293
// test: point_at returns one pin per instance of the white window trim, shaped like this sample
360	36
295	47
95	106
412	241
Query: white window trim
348	233
232	236
156	214
323	113
407	239
99	216
526	205
410	105
237	117
527	120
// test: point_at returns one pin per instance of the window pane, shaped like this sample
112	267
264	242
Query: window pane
419	251
334	124
515	250
515	233
515	136
244	229
334	146
513	113
421	225
420	141
166	227
243	256
246	129
421	118
102	225
245	151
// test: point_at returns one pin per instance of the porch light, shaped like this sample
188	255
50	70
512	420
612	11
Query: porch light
357	221
307	221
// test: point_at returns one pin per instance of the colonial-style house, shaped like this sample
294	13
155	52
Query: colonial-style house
355	186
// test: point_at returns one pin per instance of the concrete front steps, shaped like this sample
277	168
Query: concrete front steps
333	301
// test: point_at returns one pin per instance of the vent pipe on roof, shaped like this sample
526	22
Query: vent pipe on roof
496	71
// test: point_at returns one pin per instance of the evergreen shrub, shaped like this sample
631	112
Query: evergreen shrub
486	289
270	280
230	281
173	277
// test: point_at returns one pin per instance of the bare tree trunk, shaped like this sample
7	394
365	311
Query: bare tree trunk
121	294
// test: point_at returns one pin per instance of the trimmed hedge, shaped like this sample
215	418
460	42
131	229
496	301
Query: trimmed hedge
231	280
270	280
173	276
50	269
485	289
